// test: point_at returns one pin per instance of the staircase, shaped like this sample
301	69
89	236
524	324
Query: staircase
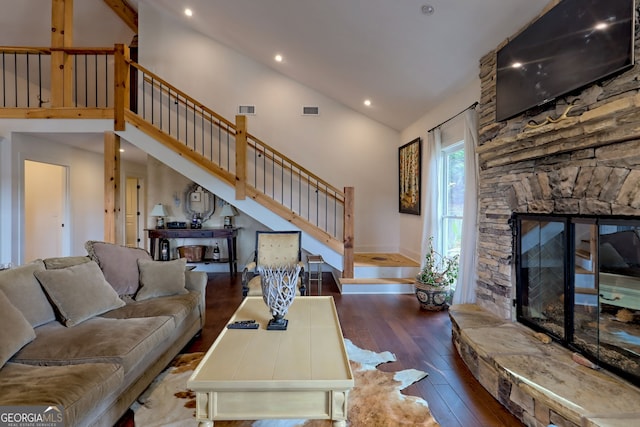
218	154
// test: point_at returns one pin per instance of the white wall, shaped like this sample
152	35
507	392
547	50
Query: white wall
164	184
410	226
86	186
86	189
342	146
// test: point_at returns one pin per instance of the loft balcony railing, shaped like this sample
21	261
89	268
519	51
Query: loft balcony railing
26	77
106	83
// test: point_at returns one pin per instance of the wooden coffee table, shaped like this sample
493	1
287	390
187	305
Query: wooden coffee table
300	373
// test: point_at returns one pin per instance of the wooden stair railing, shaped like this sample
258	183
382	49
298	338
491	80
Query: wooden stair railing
199	142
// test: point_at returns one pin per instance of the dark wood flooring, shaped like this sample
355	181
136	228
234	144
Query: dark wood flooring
419	339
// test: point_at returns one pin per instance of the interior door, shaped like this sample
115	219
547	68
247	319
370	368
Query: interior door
45	207
132	212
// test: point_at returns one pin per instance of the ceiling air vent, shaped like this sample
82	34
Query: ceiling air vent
310	111
249	110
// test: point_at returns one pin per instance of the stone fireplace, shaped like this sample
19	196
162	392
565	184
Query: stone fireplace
584	159
577	159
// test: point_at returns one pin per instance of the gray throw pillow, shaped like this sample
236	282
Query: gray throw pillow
16	331
161	278
64	261
118	263
79	292
23	290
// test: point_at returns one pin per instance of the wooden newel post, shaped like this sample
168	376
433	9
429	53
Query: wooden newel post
348	232
121	85
241	157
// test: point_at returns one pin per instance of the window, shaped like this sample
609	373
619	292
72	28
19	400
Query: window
452	203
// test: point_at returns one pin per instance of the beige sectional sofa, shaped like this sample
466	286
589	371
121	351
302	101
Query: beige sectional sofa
89	334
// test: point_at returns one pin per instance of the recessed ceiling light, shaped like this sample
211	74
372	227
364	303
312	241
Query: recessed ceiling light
427	9
122	150
278	58
367	102
188	12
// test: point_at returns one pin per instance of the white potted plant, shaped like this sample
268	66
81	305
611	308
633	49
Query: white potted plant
433	283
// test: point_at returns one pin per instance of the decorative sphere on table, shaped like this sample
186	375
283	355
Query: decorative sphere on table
279	285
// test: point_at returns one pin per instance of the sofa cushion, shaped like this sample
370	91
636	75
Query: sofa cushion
118	263
64	261
15	332
161	278
79	292
98	340
25	293
176	306
81	389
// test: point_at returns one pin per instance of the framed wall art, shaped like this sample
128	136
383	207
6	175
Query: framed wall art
410	176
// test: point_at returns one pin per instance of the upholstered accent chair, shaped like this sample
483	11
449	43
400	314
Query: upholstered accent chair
273	248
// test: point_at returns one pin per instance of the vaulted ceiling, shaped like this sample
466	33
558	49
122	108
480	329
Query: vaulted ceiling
396	53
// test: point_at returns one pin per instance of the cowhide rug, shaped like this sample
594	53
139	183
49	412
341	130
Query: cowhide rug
374	401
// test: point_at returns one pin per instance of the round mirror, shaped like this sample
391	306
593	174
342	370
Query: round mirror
199	202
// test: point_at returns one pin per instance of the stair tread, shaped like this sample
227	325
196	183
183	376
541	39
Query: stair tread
377	280
380	259
583	253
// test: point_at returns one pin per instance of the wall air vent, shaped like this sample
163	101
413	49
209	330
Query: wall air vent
249	110
310	111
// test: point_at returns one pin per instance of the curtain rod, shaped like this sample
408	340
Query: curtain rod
474	105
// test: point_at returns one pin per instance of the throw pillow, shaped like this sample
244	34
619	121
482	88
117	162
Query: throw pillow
64	261
118	263
79	292
16	331
161	278
23	290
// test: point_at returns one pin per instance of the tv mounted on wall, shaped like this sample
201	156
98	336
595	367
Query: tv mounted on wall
576	43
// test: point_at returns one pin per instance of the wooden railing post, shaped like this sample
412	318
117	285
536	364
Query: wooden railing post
61	62
348	232
241	157
121	85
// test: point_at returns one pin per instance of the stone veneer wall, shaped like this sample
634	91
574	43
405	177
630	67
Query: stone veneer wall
586	163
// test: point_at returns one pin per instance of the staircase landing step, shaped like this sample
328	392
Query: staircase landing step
368	259
380	285
377	281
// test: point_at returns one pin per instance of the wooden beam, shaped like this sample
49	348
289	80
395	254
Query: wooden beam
67	70
57	58
112	206
124	10
56	113
61	62
241	157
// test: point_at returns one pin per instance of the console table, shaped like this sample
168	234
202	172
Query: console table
229	234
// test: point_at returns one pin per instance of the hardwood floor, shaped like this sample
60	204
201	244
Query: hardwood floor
419	339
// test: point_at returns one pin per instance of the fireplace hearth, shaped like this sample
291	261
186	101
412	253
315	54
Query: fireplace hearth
578	280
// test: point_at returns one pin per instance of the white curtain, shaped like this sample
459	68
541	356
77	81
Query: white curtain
432	184
466	287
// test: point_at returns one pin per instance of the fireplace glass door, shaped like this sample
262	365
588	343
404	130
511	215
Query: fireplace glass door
542	274
578	280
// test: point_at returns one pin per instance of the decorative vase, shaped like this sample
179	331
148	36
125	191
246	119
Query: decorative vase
432	298
278	291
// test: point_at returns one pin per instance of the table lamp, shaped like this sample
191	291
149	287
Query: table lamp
228	213
159	212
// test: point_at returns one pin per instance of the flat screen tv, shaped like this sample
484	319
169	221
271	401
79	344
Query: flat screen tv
576	43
